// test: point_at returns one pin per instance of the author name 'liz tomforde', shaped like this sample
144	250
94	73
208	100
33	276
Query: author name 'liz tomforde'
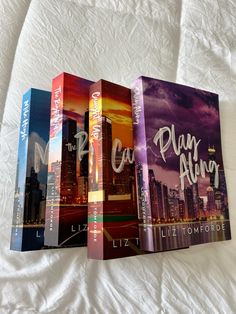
182	194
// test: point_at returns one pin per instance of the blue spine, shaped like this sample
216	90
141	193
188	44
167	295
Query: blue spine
19	197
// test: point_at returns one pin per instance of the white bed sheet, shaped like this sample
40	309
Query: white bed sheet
190	42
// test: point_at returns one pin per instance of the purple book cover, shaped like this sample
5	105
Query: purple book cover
182	195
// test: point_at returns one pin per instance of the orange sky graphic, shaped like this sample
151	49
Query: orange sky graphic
75	98
120	113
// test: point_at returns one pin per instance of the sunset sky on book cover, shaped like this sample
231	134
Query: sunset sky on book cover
182	188
113	224
66	219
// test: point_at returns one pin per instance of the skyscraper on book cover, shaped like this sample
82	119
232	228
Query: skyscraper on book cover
67	197
182	195
112	215
31	174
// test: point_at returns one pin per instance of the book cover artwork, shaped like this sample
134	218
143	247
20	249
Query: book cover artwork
113	223
182	195
31	175
67	197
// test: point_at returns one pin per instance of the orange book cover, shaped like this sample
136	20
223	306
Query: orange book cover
112	213
67	193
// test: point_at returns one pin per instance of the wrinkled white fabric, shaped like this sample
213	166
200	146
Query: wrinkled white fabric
191	42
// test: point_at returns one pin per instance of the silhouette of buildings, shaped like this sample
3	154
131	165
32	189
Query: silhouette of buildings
210	199
104	162
172	204
212	157
68	179
34	200
68	168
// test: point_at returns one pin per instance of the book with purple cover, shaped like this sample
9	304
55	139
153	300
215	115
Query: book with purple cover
182	195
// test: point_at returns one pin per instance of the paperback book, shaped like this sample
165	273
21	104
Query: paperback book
67	193
31	175
112	214
182	194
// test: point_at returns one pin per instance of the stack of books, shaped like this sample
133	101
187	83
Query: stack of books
124	171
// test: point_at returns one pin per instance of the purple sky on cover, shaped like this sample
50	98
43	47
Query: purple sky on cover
191	111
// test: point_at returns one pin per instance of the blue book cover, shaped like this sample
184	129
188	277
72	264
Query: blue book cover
32	169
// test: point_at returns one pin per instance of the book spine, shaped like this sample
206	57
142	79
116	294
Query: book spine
96	192
19	197
141	166
51	234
